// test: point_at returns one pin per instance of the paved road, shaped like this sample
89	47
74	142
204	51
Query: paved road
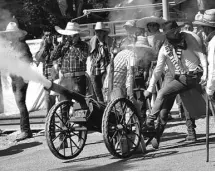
174	153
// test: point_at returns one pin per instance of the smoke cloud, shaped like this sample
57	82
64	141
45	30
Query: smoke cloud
130	13
5	16
10	63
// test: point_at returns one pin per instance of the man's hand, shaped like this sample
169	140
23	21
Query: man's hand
147	94
203	81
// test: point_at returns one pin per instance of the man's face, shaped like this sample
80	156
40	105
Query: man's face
173	33
73	38
130	30
188	27
100	34
48	37
206	30
153	27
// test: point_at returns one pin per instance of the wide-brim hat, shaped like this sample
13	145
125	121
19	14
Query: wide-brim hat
142	42
206	19
171	25
13	31
130	23
71	29
142	23
101	26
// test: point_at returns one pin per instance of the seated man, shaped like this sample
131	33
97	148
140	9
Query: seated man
185	61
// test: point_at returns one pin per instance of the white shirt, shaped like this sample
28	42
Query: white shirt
210	88
190	58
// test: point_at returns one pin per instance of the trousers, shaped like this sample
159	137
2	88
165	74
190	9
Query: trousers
19	88
168	101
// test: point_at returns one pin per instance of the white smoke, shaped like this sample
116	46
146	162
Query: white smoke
10	63
130	13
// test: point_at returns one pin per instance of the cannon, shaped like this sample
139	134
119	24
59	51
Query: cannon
69	121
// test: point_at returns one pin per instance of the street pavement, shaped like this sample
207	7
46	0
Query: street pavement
174	153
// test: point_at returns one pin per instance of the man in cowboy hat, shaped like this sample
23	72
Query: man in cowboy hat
16	38
187	67
152	25
207	21
101	45
72	55
131	29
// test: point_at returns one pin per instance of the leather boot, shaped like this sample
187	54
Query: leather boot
24	135
159	132
191	137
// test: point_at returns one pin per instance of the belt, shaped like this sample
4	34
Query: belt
190	73
74	74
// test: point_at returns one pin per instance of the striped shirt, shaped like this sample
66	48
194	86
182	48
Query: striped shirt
122	76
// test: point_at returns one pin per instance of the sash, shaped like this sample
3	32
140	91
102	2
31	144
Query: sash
176	61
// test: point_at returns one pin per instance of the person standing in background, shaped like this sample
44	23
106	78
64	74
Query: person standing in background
49	42
207	22
16	36
100	54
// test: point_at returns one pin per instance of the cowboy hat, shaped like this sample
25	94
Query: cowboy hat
13	30
72	28
101	26
142	42
142	23
130	23
206	19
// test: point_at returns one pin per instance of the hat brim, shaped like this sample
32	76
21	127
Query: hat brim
139	46
70	32
142	23
104	29
19	33
65	32
202	23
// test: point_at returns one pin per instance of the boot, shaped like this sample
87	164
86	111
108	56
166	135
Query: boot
149	126
159	132
191	136
24	135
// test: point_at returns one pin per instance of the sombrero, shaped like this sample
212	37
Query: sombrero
142	42
71	29
142	23
13	30
206	19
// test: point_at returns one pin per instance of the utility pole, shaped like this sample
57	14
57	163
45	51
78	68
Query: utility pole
165	6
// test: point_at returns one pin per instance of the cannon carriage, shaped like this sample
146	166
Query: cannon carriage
69	121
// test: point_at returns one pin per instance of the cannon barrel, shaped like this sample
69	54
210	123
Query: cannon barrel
69	94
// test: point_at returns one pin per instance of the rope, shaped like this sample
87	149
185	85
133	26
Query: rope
85	14
125	8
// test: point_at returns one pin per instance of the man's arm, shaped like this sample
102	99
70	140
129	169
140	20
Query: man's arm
130	64
158	70
211	69
202	57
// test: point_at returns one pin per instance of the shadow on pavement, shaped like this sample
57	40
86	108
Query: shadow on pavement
18	148
121	165
89	158
188	144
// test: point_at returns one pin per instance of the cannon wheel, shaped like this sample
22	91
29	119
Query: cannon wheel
121	128
65	139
